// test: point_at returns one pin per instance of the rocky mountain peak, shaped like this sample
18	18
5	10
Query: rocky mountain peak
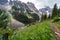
3	1
32	7
46	8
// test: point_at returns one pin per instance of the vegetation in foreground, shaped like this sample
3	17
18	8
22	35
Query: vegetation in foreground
38	31
58	24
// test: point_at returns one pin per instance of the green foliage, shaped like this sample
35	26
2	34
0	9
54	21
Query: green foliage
39	31
57	23
55	11
59	12
4	19
56	20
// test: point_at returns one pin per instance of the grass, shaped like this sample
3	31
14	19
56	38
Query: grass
38	31
58	24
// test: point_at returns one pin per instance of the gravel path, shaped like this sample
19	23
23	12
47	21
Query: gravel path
55	30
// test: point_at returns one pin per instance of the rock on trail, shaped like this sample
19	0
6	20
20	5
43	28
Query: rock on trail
16	24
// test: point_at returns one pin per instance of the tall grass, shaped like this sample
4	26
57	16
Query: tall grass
38	31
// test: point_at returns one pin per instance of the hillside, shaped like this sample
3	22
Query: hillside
37	31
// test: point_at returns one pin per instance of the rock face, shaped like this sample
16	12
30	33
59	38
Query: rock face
25	7
29	6
21	6
3	1
32	7
4	5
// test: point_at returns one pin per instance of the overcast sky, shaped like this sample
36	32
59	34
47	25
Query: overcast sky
42	3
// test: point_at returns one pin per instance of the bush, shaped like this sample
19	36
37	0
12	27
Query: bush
4	20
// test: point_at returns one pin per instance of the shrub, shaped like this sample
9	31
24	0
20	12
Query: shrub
4	20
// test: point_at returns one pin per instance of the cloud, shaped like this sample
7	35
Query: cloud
38	4
43	3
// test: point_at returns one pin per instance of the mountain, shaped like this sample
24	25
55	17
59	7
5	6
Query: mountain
24	8
20	5
4	5
32	7
3	1
46	11
47	8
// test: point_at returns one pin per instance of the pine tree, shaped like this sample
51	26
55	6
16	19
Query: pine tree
55	11
59	12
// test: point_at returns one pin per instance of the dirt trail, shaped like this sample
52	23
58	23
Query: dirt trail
55	30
